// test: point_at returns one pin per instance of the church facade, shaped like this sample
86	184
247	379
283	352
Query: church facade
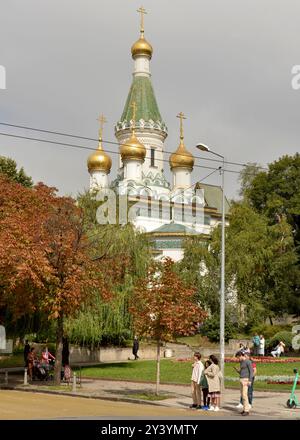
167	211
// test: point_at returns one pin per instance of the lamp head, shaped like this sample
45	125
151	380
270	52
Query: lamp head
202	147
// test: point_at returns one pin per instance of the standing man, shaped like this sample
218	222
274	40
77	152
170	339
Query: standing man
246	376
135	348
197	372
26	351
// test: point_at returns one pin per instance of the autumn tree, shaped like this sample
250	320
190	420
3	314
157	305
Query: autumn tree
163	307
46	263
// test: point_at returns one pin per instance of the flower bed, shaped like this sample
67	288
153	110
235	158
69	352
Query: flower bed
282	382
266	360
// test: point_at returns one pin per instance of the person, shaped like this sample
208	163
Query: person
213	376
247	350
204	387
31	358
256	342
250	388
279	349
246	375
261	350
46	358
195	381
65	352
135	348
26	351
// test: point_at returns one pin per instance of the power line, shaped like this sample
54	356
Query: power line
57	133
109	151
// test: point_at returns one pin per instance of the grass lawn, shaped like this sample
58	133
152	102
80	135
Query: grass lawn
15	360
174	371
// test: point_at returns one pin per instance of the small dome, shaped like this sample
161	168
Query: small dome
133	149
182	158
141	47
99	161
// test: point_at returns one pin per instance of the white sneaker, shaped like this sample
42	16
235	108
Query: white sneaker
239	406
217	408
211	408
250	406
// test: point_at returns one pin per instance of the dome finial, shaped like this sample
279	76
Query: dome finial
142	11
141	46
181	117
102	120
182	158
99	160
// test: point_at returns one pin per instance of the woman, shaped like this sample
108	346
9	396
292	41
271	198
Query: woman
261	348
278	350
213	374
46	357
31	357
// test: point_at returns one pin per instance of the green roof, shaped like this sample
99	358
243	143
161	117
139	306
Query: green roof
213	197
141	92
173	228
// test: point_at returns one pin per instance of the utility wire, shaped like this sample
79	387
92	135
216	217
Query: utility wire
57	133
109	151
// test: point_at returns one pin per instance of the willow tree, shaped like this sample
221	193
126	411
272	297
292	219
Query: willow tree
119	250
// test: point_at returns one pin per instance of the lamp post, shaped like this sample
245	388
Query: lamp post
203	147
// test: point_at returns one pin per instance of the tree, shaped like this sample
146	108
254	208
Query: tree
117	248
276	194
163	307
45	257
8	167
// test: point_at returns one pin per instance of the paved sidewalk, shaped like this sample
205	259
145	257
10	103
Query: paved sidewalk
266	404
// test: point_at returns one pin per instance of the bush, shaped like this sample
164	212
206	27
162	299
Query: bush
283	336
268	330
211	329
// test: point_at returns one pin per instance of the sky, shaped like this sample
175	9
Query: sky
225	64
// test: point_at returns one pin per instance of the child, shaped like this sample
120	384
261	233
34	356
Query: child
196	377
204	386
212	374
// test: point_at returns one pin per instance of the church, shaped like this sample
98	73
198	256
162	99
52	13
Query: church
167	211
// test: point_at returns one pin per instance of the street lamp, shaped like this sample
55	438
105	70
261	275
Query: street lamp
204	147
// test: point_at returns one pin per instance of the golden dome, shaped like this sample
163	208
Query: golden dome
99	161
133	149
141	47
182	158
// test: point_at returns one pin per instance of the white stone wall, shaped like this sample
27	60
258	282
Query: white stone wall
141	66
98	179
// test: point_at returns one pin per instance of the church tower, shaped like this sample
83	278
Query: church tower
99	163
147	123
181	162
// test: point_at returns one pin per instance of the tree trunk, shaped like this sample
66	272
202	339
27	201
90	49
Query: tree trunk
157	367
271	322
58	353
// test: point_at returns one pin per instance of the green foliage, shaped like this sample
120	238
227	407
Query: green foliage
283	336
9	168
211	329
268	330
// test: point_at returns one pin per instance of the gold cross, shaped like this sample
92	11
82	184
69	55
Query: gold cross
181	117
133	105
102	121
142	11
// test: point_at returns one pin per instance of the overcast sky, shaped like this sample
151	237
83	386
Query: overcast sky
225	64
